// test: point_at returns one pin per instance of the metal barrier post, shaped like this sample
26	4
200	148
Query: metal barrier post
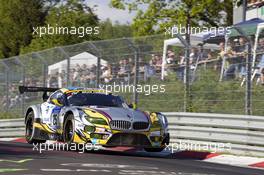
7	69
98	67
248	105
248	90
136	75
187	87
23	82
68	64
45	67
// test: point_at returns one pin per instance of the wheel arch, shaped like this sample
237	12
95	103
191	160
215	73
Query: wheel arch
71	110
35	109
27	112
66	115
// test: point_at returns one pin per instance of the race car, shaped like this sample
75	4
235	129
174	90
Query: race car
85	115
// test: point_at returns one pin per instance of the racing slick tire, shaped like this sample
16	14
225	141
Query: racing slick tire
68	130
68	135
29	134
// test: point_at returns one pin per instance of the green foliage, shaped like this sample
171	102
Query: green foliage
8	115
17	18
161	14
208	95
117	4
72	14
108	30
78	15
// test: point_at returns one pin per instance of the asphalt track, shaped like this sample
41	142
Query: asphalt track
21	159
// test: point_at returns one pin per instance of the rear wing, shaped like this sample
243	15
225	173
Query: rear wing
23	89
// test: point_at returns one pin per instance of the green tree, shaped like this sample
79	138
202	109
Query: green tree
73	13
17	18
160	14
108	30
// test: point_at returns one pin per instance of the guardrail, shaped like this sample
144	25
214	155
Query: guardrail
244	134
12	128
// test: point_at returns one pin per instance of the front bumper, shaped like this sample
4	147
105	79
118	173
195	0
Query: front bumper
124	138
128	139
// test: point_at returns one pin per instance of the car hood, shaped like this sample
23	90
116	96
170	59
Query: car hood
125	114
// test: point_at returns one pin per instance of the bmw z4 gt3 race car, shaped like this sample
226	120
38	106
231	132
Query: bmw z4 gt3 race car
79	115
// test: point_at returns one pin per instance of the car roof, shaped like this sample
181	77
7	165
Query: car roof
85	90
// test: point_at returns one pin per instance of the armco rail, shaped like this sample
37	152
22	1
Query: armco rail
12	128
244	134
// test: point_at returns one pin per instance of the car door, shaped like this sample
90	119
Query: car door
52	108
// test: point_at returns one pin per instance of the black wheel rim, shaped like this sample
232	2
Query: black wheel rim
29	128
69	132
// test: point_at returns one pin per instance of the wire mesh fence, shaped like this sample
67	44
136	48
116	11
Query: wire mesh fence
132	68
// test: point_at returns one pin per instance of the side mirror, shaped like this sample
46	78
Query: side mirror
45	96
132	106
56	102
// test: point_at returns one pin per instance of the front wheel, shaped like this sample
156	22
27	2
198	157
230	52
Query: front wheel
68	130
30	130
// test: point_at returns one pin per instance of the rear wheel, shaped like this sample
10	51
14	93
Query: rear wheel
30	130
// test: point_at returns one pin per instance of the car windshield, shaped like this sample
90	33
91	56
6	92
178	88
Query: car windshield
89	99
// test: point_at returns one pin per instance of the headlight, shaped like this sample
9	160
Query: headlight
98	121
163	120
158	120
93	120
